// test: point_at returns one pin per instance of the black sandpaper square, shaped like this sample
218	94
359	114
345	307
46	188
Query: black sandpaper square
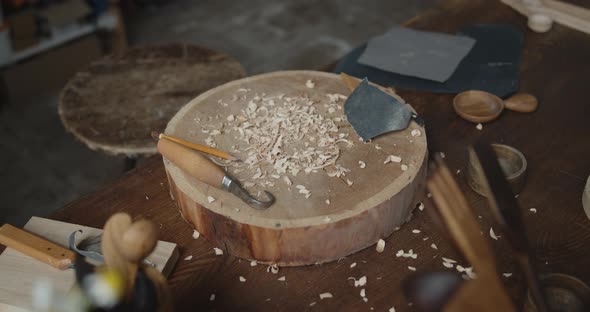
492	65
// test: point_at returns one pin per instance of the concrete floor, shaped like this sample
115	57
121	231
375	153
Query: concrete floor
43	167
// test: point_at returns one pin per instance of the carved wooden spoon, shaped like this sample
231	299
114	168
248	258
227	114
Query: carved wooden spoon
481	106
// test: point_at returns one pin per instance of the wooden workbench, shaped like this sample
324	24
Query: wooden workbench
554	139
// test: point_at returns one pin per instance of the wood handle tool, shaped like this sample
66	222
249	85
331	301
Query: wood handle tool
485	293
37	247
205	170
507	213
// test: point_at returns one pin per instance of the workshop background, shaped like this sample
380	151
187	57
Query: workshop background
43	43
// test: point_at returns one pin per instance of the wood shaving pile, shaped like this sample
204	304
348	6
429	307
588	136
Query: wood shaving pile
287	135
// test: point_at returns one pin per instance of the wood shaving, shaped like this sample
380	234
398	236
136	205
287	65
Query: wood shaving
312	304
231	118
212	297
479	126
327	219
327	201
458	171
287	180
448	265
377	146
404	167
282	278
492	234
325	295
416	231
460	268
421	206
363	293
196	234
365	299
507	274
411	268
310	84
352	265
448	260
433	246
469	272
425	238
147	198
533	210
362	164
210	199
392	309
210	142
380	245
218	252
188	258
348	182
416	133
442	155
274	269
392	158
361	282
242	279
253	263
429	195
409	254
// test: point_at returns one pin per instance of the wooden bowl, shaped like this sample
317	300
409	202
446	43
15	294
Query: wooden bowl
478	106
513	164
561	293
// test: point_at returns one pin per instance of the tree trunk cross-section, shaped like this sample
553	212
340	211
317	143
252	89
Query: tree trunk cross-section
297	230
117	101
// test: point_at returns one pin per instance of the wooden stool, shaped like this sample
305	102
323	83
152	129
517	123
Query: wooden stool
117	101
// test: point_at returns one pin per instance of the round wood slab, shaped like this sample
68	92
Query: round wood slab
116	102
297	230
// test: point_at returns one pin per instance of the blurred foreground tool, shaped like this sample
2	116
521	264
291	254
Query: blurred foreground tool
486	292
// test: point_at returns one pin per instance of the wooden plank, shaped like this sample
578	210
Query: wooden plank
553	139
19	272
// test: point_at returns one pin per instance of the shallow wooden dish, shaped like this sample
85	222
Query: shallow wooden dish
478	106
512	162
298	230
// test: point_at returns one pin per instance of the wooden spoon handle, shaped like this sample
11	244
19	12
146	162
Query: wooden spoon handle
192	162
522	102
36	247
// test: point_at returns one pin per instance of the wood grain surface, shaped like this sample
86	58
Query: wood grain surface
553	138
117	101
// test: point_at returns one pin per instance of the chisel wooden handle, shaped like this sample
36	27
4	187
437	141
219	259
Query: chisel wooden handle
36	247
192	162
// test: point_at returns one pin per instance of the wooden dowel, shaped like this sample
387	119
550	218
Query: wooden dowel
198	147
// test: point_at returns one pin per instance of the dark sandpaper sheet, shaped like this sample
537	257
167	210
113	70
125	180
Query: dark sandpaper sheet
492	65
422	54
372	112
